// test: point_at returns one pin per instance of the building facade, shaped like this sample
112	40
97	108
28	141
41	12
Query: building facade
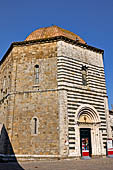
53	95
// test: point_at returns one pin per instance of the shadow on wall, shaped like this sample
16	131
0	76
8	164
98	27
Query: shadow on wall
8	160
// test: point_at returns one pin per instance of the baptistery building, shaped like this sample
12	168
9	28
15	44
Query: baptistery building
53	99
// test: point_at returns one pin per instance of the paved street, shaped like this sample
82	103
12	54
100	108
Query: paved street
93	164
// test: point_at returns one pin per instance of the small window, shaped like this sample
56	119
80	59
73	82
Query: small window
84	75
4	81
34	126
36	74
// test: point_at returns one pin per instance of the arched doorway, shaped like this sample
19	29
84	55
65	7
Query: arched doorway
87	129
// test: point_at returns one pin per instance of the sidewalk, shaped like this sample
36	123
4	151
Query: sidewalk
93	164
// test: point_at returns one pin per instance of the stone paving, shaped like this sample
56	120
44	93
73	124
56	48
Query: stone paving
93	164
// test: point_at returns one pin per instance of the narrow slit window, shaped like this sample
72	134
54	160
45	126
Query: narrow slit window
84	75
36	73
4	81
35	125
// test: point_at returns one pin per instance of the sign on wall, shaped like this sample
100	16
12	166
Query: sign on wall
110	147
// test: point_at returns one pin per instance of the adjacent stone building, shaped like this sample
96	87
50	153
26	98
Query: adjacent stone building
52	95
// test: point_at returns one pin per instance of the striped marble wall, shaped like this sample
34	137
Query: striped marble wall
70	60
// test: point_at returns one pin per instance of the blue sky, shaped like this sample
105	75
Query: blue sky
92	20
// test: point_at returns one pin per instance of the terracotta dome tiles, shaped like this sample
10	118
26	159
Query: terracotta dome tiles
53	31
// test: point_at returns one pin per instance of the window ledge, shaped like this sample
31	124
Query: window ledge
34	134
35	85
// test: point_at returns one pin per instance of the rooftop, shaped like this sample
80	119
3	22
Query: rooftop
53	31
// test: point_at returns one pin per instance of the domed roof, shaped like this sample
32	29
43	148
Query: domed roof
53	31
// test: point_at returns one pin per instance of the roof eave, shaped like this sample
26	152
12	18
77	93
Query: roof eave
57	38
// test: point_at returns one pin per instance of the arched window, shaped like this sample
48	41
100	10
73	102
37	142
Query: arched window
84	75
36	73
4	81
34	126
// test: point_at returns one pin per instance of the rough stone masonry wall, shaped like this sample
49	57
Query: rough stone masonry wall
26	57
70	61
6	70
5	87
28	99
44	106
6	76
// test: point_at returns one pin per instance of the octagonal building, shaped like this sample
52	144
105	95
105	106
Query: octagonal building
53	100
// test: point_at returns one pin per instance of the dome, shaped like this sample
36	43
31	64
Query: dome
53	31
